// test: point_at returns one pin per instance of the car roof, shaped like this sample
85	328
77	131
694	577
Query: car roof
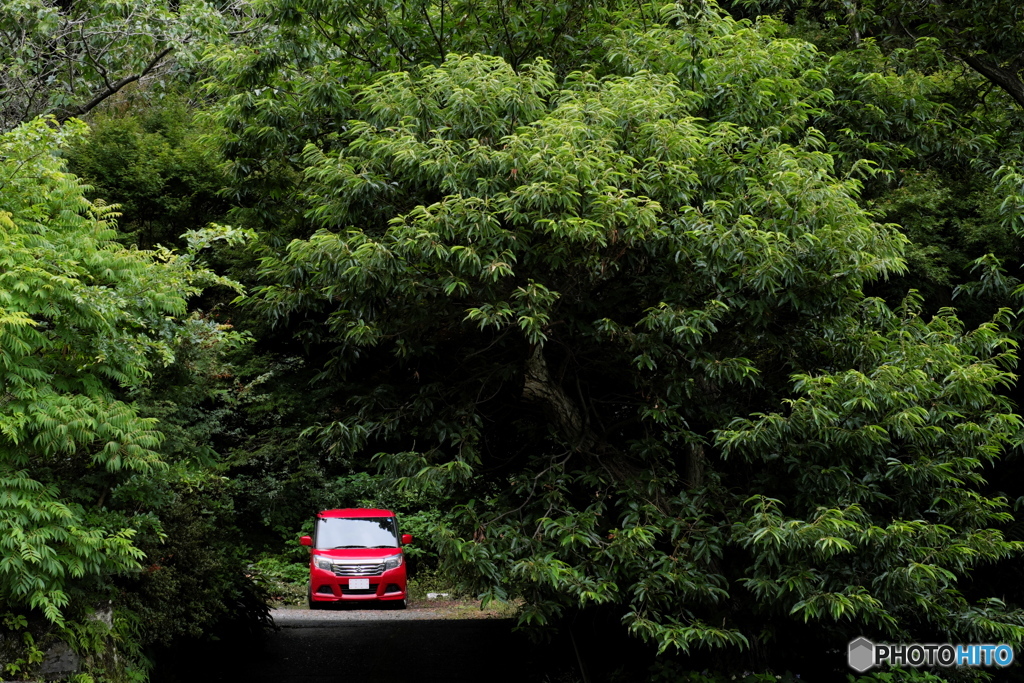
356	512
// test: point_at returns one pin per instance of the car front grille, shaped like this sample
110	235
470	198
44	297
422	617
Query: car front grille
359	569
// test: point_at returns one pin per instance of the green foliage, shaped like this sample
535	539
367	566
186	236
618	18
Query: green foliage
81	319
64	58
151	162
882	464
281	479
739	72
106	642
51	543
286	82
985	34
683	258
385	36
110	646
195	583
426	581
624	270
23	653
588	282
196	580
903	99
285	580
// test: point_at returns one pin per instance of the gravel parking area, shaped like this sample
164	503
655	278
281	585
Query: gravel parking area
418	610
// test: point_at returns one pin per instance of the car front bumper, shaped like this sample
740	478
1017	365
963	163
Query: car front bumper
326	587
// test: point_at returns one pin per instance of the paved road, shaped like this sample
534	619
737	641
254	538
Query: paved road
376	645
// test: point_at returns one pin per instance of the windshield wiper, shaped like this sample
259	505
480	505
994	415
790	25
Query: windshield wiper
342	547
383	546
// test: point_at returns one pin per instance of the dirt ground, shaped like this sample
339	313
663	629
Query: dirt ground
417	610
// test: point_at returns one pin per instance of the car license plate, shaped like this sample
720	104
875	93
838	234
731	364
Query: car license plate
359	584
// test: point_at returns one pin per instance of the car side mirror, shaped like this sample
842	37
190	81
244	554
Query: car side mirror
306	540
406	539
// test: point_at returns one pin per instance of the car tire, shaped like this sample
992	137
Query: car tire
309	599
402	604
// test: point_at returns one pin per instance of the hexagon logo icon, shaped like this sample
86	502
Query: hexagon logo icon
861	655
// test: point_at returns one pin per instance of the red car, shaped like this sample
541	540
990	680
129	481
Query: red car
355	555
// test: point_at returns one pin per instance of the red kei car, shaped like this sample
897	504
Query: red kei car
356	554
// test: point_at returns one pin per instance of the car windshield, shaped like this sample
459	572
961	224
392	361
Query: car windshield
333	533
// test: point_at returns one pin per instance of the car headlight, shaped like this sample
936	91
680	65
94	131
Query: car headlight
392	562
323	563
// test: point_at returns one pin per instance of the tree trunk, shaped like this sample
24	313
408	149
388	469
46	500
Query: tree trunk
540	387
695	464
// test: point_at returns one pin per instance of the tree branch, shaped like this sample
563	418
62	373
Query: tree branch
115	87
1006	79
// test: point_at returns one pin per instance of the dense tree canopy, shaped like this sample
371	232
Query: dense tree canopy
983	34
620	284
693	323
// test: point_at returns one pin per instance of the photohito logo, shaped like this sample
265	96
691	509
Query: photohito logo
863	654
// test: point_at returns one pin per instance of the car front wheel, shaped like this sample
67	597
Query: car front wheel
309	599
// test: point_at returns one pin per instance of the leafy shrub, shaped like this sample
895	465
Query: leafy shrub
107	642
433	581
195	583
153	164
284	580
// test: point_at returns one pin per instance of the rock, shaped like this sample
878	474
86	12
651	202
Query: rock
104	614
59	661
